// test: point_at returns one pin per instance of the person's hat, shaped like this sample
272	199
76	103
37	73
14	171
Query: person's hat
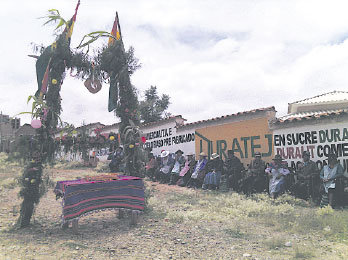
257	154
214	156
179	151
203	154
190	154
164	154
306	153
278	157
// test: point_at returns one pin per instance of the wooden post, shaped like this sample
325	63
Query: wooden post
134	218
75	226
65	225
121	213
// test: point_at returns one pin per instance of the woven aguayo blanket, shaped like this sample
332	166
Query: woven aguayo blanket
85	195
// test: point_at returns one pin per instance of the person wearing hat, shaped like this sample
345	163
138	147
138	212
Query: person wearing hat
186	171
233	171
277	170
307	181
178	165
329	175
198	173
167	163
214	169
256	180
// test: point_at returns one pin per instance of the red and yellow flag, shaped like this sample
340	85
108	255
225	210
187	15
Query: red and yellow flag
44	83
69	29
115	31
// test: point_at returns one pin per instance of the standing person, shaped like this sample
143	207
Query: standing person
256	180
167	163
233	169
178	165
214	169
198	173
307	178
277	170
186	171
328	175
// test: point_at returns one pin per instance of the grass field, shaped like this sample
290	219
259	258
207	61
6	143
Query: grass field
179	223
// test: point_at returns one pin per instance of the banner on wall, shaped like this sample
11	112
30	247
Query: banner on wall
319	141
245	138
167	138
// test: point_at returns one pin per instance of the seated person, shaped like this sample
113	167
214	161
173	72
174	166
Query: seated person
328	175
166	166
198	173
151	167
277	170
186	171
233	170
307	173
256	180
116	160
179	162
214	168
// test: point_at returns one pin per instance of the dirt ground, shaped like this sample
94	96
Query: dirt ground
180	223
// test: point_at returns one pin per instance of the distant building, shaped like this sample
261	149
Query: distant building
319	125
8	127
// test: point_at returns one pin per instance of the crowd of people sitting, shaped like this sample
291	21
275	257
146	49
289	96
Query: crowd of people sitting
323	187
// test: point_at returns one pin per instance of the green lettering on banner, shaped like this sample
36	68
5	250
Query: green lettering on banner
322	137
245	140
337	134
270	146
222	148
253	145
235	144
345	134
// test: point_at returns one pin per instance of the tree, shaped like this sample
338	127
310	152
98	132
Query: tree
153	107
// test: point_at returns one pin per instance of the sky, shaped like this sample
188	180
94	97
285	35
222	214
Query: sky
212	57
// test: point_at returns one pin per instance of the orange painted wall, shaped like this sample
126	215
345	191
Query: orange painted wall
245	138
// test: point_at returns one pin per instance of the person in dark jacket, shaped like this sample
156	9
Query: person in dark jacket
256	179
116	160
214	170
233	170
307	183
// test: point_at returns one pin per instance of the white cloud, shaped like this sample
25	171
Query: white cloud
212	57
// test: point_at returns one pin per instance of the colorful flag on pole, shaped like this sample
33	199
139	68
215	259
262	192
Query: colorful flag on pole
115	31
44	83
69	29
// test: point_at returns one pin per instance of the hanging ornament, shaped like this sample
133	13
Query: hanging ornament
54	81
131	146
143	139
36	123
126	110
112	138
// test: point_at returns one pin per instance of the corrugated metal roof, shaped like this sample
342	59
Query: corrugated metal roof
163	120
311	115
272	108
327	97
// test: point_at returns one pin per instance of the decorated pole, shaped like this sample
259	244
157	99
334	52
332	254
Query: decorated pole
50	68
